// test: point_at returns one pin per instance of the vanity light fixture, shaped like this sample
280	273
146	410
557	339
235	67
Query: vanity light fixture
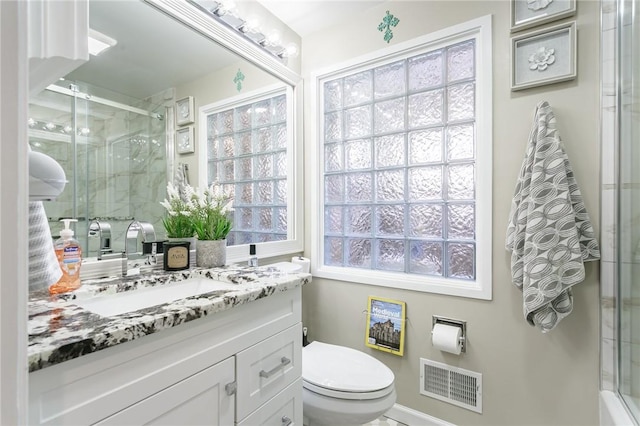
225	12
99	42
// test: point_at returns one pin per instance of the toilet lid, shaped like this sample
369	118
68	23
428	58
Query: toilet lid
343	369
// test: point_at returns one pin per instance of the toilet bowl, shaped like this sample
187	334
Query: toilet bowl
343	386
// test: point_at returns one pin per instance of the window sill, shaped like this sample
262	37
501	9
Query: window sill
421	283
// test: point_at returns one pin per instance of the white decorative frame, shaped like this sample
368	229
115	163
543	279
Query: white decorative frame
185	140
185	111
544	56
530	13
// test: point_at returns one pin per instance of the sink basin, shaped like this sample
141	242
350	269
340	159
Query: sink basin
129	301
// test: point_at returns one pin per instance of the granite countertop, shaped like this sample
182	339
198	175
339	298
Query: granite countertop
60	330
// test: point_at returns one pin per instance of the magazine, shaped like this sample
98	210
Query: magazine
386	325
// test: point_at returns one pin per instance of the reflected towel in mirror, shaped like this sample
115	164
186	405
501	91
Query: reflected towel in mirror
44	269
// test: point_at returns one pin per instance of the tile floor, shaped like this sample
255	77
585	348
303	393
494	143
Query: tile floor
385	421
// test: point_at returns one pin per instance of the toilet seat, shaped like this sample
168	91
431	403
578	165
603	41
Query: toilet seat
344	373
347	395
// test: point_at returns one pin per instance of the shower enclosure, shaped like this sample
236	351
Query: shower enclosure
620	266
113	151
629	201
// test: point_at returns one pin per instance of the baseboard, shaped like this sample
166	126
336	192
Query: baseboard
411	417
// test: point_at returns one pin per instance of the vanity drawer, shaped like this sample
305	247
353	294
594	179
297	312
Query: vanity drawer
285	409
265	369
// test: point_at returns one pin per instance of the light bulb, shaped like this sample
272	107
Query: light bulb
291	50
273	38
251	25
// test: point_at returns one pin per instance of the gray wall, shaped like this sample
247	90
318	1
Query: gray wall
529	378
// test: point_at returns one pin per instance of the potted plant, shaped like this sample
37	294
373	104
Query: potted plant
178	225
178	222
211	212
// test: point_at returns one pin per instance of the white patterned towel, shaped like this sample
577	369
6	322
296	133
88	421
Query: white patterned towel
549	234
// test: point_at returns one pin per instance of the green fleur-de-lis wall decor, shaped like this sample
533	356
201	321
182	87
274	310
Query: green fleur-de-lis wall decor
238	79
385	26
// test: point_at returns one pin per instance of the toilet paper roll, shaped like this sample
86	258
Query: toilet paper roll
304	263
447	338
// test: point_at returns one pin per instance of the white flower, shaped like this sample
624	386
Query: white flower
189	192
541	59
172	191
166	204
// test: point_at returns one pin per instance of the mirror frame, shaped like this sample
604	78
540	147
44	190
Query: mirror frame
191	16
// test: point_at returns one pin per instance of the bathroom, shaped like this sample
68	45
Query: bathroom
529	377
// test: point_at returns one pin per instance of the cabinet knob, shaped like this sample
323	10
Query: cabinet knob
286	421
284	361
231	388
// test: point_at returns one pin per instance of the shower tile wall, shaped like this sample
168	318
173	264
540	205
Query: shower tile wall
137	169
149	178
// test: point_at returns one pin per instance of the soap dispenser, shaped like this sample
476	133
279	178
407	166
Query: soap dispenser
69	254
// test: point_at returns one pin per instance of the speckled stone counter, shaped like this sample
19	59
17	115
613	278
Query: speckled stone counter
59	330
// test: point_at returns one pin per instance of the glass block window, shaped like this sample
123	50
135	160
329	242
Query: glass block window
399	164
247	150
399	170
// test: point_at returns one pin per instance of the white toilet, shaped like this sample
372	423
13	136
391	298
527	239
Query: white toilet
343	386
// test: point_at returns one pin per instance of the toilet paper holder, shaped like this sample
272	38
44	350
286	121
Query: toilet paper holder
437	319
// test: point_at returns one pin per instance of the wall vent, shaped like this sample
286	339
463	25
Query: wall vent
451	384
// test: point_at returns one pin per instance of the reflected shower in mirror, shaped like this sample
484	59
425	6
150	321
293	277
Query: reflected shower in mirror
110	123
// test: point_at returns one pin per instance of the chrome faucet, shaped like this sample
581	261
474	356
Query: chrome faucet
103	231
131	251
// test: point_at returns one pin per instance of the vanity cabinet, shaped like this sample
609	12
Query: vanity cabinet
240	366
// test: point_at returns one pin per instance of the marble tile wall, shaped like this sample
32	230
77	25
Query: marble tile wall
137	194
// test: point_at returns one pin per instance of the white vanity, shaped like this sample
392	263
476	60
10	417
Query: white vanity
226	357
231	357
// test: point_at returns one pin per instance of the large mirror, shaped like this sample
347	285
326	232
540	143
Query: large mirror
111	125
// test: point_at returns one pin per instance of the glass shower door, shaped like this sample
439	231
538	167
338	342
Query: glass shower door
629	207
113	150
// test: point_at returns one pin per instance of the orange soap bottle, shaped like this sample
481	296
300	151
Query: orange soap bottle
69	254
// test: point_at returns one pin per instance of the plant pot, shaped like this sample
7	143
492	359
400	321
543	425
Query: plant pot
211	253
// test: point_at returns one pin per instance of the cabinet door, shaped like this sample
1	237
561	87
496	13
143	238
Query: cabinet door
197	400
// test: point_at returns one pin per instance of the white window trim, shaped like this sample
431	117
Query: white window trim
293	243
481	288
